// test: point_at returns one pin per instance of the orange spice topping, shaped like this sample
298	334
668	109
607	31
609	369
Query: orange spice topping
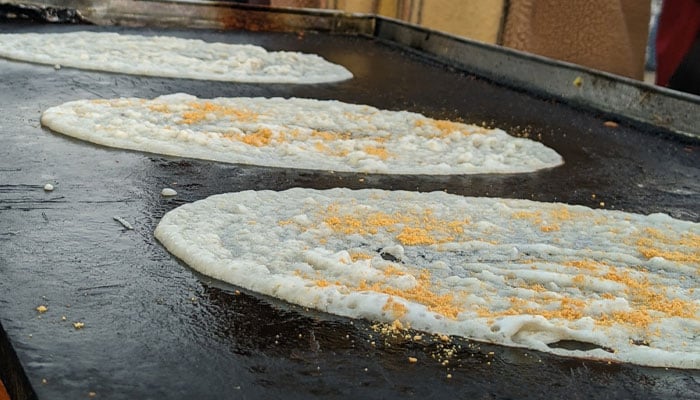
397	309
330	136
690	240
640	318
162	108
378	151
534	216
355	256
322	283
558	215
649	251
646	297
380	219
561	214
538	288
348	225
199	112
423	292
648	246
410	236
413	230
445	127
259	138
587	265
568	309
393	271
549	228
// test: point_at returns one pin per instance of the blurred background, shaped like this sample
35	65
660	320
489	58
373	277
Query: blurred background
615	36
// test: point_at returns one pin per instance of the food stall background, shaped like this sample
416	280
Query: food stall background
608	35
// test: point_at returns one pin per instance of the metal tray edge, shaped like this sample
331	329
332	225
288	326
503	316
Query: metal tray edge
611	94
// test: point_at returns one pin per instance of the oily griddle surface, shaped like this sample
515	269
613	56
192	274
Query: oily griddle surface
155	329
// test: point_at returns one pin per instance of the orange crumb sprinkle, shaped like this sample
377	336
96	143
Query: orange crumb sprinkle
550	228
355	256
259	138
561	214
393	271
397	309
330	136
588	265
377	151
415	236
162	108
413	230
647	245
322	283
423	293
198	112
446	127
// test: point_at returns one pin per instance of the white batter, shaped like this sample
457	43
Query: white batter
170	57
298	133
512	272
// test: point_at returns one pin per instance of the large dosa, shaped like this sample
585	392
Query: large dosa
298	133
170	57
512	272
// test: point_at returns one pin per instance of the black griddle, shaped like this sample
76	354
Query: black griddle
154	329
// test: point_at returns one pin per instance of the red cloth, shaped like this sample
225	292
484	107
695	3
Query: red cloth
679	25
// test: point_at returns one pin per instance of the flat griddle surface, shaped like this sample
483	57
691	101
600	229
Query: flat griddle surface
155	329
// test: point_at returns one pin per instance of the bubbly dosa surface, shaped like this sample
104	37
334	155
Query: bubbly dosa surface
512	272
170	57
298	133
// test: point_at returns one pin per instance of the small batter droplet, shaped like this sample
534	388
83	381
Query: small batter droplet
167	192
